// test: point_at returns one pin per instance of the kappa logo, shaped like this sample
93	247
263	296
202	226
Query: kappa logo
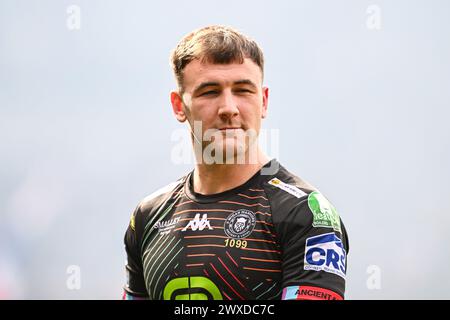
164	227
198	224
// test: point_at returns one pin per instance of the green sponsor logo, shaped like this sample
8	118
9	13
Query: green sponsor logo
191	288
325	215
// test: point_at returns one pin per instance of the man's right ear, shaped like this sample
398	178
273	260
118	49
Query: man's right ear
177	105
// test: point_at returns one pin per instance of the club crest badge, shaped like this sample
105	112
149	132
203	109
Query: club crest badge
240	224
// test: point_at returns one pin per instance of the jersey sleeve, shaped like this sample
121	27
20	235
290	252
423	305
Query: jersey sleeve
315	246
135	287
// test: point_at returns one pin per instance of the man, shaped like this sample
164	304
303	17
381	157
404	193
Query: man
239	226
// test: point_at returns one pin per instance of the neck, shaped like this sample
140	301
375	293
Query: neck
216	178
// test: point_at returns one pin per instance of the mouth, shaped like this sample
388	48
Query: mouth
229	128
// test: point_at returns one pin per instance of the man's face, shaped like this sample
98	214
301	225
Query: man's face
225	97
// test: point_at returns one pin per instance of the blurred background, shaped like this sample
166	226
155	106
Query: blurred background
359	93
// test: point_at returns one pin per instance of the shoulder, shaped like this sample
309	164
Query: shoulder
293	199
157	198
297	205
152	203
286	189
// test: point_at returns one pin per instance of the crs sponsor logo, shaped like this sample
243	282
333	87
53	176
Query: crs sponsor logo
309	293
198	224
325	252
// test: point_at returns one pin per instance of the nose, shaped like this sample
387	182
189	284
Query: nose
228	107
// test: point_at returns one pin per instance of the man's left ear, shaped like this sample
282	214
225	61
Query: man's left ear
265	94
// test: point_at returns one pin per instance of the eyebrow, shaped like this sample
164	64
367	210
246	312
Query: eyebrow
217	84
245	81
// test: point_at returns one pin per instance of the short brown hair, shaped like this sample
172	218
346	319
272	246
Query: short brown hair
214	44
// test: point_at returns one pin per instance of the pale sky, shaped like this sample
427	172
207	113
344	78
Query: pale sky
359	93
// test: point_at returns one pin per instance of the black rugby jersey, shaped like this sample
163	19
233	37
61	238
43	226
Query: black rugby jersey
273	237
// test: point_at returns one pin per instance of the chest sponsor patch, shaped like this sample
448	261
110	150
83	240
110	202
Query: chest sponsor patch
325	252
287	187
240	224
165	227
325	214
